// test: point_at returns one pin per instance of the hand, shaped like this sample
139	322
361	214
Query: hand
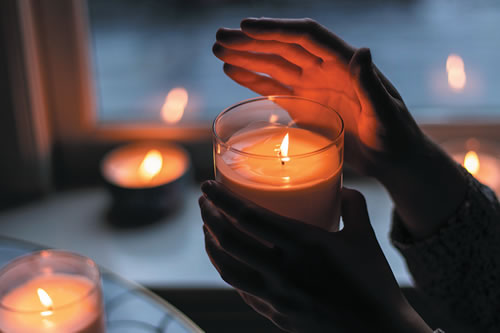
301	277
303	58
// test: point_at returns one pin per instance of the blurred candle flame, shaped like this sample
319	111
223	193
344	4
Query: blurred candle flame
456	72
284	149
174	106
46	302
471	162
151	165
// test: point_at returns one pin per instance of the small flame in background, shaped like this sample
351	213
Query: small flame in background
46	301
471	162
284	149
174	106
455	68
151	165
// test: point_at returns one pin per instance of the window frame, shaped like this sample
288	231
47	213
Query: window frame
60	31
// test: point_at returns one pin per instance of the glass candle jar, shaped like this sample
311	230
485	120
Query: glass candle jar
284	153
51	291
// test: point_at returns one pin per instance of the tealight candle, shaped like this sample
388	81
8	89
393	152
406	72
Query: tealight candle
146	179
291	166
479	158
51	292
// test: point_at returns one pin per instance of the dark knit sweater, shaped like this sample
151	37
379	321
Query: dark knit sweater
459	266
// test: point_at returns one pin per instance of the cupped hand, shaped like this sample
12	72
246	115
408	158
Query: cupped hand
301	57
301	277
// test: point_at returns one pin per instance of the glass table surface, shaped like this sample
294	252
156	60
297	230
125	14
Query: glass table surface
129	307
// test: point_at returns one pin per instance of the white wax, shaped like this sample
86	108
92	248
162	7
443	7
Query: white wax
75	308
306	187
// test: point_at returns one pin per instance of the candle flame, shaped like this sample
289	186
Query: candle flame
456	72
471	162
46	302
151	165
284	149
174	106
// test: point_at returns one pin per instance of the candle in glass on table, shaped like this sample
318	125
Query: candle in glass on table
51	292
146	180
263	155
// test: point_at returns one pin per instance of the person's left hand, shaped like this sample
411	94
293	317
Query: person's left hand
301	277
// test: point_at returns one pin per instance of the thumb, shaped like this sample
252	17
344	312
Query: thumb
371	92
354	210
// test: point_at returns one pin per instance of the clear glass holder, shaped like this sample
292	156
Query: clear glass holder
51	291
285	153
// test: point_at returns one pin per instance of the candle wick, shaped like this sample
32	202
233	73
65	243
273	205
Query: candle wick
281	158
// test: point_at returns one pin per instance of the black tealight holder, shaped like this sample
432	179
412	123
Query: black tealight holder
135	203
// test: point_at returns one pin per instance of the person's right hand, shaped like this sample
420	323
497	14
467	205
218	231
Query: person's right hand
302	58
301	277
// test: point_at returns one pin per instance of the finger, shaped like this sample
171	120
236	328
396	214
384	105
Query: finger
260	84
267	86
354	210
267	311
294	53
233	271
372	94
259	222
257	304
234	241
309	34
271	64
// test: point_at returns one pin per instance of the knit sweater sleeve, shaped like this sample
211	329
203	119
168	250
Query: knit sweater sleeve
459	266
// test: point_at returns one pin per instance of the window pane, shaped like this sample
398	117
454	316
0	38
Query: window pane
144	49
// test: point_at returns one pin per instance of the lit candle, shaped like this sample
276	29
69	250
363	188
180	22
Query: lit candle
139	166
479	157
145	180
291	171
301	187
36	296
484	167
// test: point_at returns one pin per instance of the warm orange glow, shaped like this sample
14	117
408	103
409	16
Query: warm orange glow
175	103
284	149
471	162
46	301
456	72
151	165
273	118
